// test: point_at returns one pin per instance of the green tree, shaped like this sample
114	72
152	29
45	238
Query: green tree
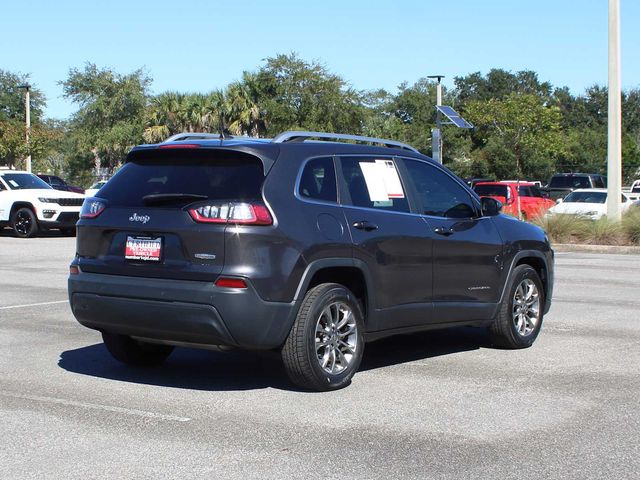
295	94
499	84
523	126
242	107
110	119
13	147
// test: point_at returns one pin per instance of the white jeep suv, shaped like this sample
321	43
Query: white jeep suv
28	205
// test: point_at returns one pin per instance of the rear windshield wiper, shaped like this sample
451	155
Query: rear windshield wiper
158	198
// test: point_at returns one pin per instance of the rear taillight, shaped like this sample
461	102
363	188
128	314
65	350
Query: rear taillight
92	207
236	213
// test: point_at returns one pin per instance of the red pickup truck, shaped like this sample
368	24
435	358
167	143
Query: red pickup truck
527	195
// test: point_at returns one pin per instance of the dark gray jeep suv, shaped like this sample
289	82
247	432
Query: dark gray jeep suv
310	247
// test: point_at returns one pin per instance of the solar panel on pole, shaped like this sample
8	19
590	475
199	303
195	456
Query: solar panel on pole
453	116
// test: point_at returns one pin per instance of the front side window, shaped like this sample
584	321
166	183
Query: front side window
318	180
374	183
439	194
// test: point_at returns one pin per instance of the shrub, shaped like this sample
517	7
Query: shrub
562	228
631	225
602	232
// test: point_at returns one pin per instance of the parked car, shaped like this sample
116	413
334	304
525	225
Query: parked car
525	196
588	203
562	184
59	184
635	187
93	189
310	248
28	205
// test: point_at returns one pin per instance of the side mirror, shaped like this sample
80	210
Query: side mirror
558	201
490	206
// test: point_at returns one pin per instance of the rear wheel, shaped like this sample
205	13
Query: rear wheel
324	348
134	352
24	223
520	317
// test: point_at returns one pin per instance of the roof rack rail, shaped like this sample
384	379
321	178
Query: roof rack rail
301	136
194	136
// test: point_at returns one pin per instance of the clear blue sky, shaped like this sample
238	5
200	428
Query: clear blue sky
202	45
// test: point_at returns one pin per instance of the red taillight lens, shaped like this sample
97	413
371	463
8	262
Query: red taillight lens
74	270
91	208
236	213
231	283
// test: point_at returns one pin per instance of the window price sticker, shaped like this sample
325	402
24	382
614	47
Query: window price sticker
382	179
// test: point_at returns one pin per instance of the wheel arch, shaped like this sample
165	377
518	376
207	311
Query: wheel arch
349	272
538	262
22	204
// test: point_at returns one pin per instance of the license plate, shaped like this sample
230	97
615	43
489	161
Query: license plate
146	249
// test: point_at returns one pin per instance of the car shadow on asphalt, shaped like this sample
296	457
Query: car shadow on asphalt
7	232
196	369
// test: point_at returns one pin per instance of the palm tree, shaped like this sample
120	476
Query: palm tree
242	107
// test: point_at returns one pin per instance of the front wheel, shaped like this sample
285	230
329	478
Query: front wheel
324	348
134	352
519	320
24	223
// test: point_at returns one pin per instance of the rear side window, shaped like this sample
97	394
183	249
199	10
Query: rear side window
374	183
216	175
318	180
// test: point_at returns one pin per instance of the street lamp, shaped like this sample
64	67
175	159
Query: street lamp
614	149
27	105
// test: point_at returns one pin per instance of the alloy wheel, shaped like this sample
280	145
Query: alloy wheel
336	338
526	307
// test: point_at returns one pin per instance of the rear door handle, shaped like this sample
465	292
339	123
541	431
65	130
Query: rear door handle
364	225
443	231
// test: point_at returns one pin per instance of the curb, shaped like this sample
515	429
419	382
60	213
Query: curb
576	247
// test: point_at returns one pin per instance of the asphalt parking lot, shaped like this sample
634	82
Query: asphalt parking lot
433	405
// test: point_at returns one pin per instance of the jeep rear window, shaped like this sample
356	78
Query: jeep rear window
218	175
492	190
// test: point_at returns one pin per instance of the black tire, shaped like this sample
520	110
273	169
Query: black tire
134	352
299	353
24	223
504	331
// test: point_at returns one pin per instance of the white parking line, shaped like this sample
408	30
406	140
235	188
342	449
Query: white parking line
97	406
33	305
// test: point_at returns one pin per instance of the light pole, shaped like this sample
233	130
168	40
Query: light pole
436	133
614	144
27	105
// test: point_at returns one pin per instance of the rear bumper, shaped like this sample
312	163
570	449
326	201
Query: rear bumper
179	311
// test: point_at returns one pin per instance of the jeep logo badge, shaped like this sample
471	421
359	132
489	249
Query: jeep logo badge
139	218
